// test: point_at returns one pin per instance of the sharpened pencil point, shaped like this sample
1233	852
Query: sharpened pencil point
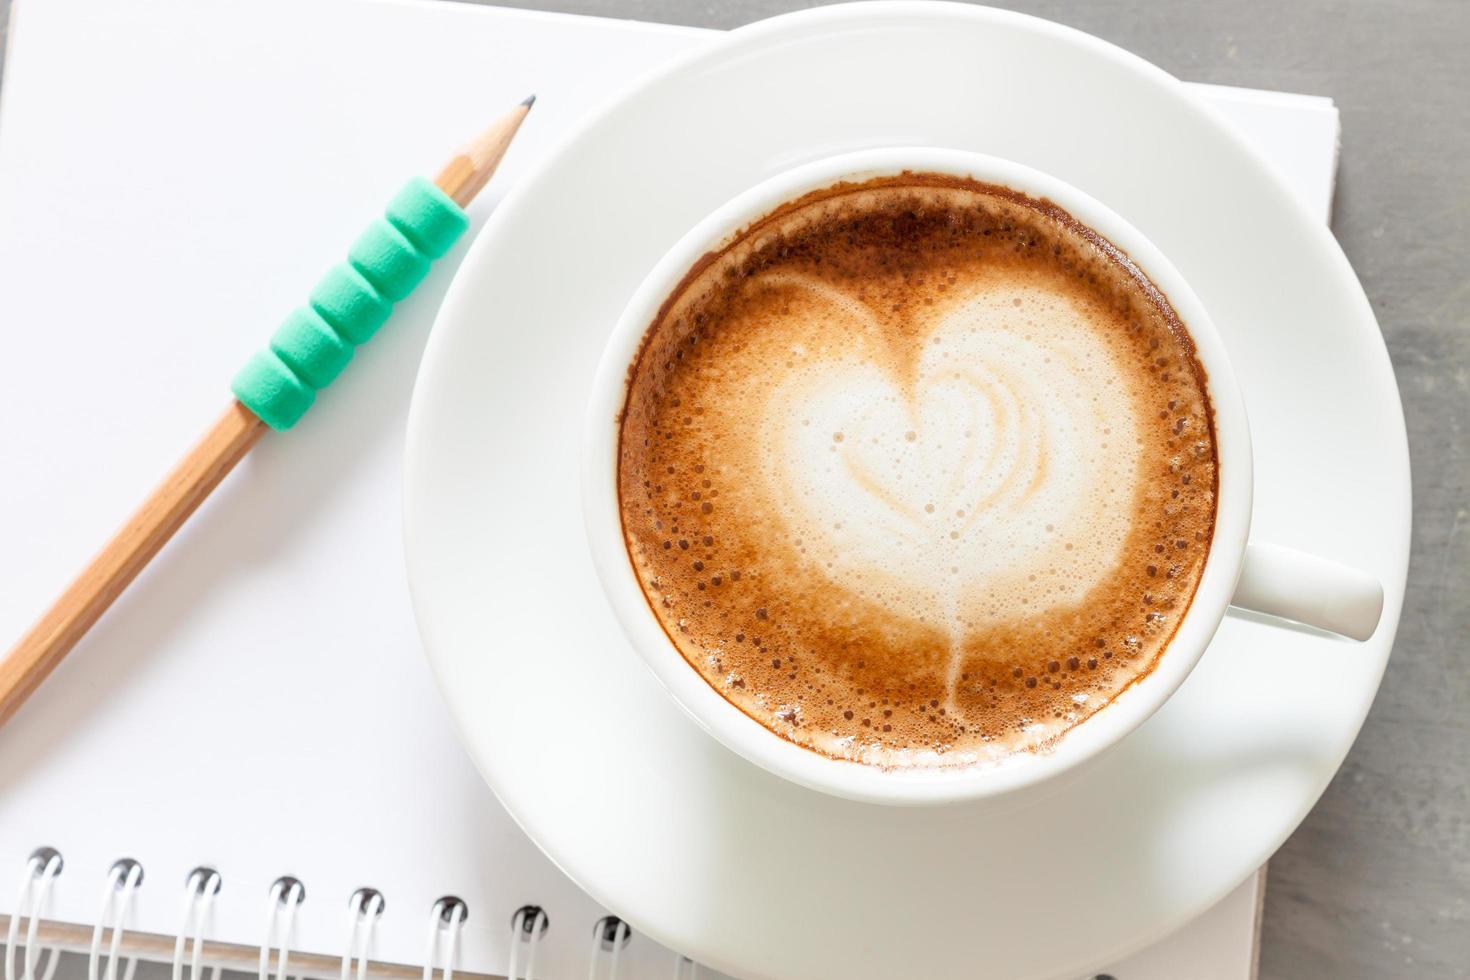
467	172
528	101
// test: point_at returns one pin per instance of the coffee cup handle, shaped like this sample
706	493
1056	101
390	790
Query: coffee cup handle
1301	587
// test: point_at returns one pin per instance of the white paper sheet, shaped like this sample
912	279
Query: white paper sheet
173	175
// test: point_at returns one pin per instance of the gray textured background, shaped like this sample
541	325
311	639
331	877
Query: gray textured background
1376	883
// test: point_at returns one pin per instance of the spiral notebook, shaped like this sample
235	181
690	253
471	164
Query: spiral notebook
249	749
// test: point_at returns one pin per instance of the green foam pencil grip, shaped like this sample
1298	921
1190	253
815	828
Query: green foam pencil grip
315	342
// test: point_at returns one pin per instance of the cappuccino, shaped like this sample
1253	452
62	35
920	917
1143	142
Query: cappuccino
917	472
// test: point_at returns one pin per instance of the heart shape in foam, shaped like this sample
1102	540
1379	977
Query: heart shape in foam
985	463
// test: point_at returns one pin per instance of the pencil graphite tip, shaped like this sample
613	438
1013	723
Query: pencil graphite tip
528	101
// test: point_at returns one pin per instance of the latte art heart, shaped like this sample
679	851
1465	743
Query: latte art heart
987	481
918	472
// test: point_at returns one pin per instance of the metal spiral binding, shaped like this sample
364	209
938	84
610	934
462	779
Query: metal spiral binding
117	898
529	923
446	917
286	896
42	868
200	888
527	926
364	909
609	935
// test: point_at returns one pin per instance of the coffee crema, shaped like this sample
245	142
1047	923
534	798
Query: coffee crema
918	471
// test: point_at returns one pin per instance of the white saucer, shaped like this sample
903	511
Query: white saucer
696	847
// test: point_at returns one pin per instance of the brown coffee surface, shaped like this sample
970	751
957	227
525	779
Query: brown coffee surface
918	472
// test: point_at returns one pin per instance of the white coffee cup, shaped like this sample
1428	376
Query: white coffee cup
1251	575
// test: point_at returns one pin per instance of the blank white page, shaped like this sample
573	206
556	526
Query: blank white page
173	177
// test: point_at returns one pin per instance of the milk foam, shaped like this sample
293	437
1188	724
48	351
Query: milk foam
987	482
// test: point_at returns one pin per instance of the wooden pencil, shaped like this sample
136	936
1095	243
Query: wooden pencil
226	442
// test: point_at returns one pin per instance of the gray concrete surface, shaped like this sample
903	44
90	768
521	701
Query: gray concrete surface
1376	882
